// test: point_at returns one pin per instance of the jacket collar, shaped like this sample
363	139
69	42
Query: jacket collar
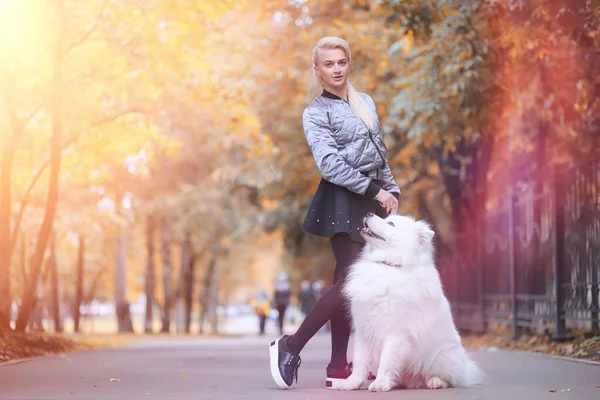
330	95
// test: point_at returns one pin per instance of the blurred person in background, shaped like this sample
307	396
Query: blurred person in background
306	299
262	308
343	132
318	288
281	299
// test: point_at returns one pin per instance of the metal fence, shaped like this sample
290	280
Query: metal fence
533	262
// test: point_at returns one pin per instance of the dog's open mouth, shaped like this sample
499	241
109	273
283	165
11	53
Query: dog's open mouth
366	230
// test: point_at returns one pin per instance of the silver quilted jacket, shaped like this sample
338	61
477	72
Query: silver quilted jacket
345	152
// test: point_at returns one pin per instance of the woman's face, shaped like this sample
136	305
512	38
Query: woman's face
332	68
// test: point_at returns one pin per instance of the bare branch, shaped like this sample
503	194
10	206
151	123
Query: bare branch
86	35
114	117
81	40
30	117
24	203
42	168
18	128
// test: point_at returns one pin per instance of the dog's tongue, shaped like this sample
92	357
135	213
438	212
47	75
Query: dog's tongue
366	228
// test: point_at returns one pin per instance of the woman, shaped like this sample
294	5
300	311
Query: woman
262	307
343	132
306	299
281	298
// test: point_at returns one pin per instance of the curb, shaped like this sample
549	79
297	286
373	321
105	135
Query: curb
19	360
63	354
531	353
83	350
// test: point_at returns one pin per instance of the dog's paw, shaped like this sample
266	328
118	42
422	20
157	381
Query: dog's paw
436	383
381	385
349	384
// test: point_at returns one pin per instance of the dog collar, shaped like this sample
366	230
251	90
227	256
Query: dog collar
390	264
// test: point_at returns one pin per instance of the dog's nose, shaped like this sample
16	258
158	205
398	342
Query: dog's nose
370	214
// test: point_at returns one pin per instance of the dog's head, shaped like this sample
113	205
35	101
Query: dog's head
397	240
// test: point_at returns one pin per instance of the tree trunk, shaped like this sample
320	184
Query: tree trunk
5	234
79	284
150	273
167	276
23	259
180	293
55	158
179	312
6	242
36	317
54	291
214	299
208	283
123	315
189	282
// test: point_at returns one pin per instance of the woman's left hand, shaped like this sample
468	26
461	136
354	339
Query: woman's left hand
387	201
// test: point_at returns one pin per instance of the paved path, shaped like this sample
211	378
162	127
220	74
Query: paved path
237	368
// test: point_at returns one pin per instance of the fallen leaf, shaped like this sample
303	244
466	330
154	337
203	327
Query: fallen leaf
115	380
559	390
183	376
532	340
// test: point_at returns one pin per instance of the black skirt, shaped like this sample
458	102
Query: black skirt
335	209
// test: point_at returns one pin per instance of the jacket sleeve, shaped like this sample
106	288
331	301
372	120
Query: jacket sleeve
387	177
389	182
331	165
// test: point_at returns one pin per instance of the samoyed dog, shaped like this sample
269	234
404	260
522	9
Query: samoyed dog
403	327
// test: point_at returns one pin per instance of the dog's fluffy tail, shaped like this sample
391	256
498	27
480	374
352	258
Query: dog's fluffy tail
473	374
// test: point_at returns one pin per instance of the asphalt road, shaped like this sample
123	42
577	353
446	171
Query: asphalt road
237	368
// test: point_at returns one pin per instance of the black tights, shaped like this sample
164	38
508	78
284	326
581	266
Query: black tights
331	306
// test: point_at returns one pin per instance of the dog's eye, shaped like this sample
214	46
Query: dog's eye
391	223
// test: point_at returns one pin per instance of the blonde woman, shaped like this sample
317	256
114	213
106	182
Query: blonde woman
343	132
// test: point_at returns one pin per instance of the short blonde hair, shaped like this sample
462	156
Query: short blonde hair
357	103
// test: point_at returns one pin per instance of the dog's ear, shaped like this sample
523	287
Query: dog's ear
425	234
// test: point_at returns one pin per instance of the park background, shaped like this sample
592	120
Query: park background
154	171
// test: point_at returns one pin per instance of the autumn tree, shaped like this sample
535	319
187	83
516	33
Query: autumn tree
449	84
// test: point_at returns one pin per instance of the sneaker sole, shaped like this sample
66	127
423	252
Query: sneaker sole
274	358
333	383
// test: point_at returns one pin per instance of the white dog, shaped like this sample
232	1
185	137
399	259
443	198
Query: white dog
403	327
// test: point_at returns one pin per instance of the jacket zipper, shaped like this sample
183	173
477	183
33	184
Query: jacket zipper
374	144
379	152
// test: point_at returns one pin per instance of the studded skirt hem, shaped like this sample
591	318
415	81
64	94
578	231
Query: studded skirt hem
335	209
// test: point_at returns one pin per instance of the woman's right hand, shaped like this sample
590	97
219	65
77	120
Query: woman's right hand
387	201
